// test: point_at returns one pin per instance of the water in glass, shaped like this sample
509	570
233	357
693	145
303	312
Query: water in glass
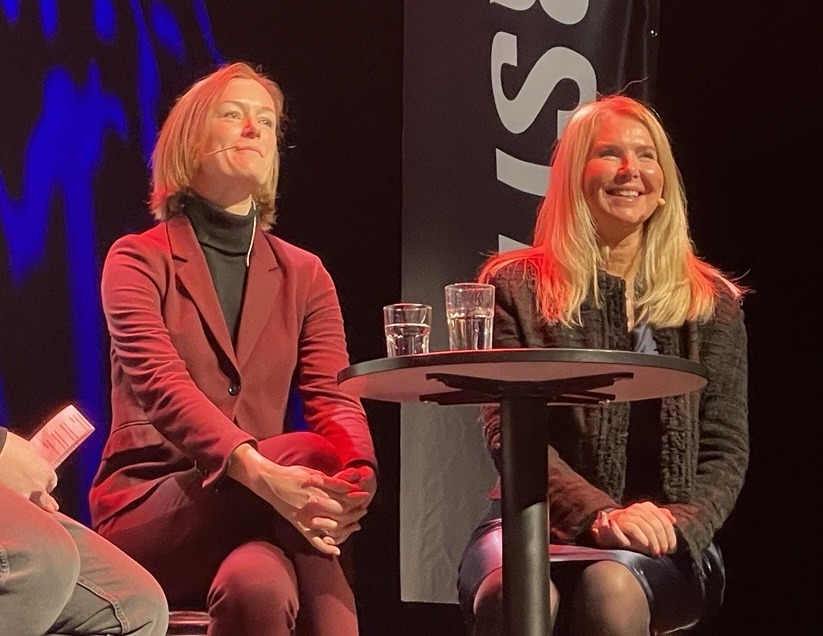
470	331
407	338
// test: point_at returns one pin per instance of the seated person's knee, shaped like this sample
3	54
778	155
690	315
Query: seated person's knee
302	449
256	575
44	558
488	605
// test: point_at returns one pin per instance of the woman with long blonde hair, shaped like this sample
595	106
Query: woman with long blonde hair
638	491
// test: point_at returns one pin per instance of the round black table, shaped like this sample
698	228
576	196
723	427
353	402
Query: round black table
525	383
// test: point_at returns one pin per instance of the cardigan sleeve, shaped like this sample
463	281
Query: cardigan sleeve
723	450
507	333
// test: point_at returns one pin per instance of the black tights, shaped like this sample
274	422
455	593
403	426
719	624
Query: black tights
598	599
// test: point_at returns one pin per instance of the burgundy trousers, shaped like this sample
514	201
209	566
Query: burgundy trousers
226	550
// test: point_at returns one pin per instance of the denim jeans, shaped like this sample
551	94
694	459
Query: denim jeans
59	577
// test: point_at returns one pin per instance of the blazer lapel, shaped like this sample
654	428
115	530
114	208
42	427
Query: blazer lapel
263	283
195	280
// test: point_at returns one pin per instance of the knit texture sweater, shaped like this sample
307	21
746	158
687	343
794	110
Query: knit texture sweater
226	240
704	442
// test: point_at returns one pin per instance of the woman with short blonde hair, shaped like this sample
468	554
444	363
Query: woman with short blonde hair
179	149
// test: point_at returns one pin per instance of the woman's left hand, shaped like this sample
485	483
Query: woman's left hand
339	527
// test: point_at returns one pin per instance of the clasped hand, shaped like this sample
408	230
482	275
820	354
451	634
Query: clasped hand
642	527
325	509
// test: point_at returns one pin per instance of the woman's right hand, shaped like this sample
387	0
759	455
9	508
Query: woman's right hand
301	495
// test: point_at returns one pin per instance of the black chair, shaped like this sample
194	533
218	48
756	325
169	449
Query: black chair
187	623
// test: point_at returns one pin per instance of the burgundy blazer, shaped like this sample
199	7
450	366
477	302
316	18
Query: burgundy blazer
182	396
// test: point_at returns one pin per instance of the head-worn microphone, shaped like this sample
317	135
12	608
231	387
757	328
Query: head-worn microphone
661	201
214	152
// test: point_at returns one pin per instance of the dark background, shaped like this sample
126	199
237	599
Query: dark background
738	86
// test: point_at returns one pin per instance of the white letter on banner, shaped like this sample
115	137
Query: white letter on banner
553	66
519	113
532	178
565	12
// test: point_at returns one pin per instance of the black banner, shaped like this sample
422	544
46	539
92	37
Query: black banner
487	90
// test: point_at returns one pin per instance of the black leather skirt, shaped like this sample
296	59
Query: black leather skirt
679	595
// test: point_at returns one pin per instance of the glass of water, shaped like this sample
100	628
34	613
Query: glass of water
407	327
469	314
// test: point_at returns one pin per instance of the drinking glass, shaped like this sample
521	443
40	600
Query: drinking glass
407	327
469	314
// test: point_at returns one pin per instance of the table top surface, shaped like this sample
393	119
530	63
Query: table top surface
406	378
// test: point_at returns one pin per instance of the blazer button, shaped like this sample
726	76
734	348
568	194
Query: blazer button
234	388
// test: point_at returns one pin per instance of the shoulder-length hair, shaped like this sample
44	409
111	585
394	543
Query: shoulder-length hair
672	283
179	147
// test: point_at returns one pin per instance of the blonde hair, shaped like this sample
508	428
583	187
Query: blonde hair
673	284
179	149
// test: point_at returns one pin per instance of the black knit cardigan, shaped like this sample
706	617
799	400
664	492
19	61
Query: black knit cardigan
705	444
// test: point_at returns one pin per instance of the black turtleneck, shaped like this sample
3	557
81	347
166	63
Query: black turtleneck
225	239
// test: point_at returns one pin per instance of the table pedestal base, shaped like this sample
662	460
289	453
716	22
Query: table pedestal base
524	444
